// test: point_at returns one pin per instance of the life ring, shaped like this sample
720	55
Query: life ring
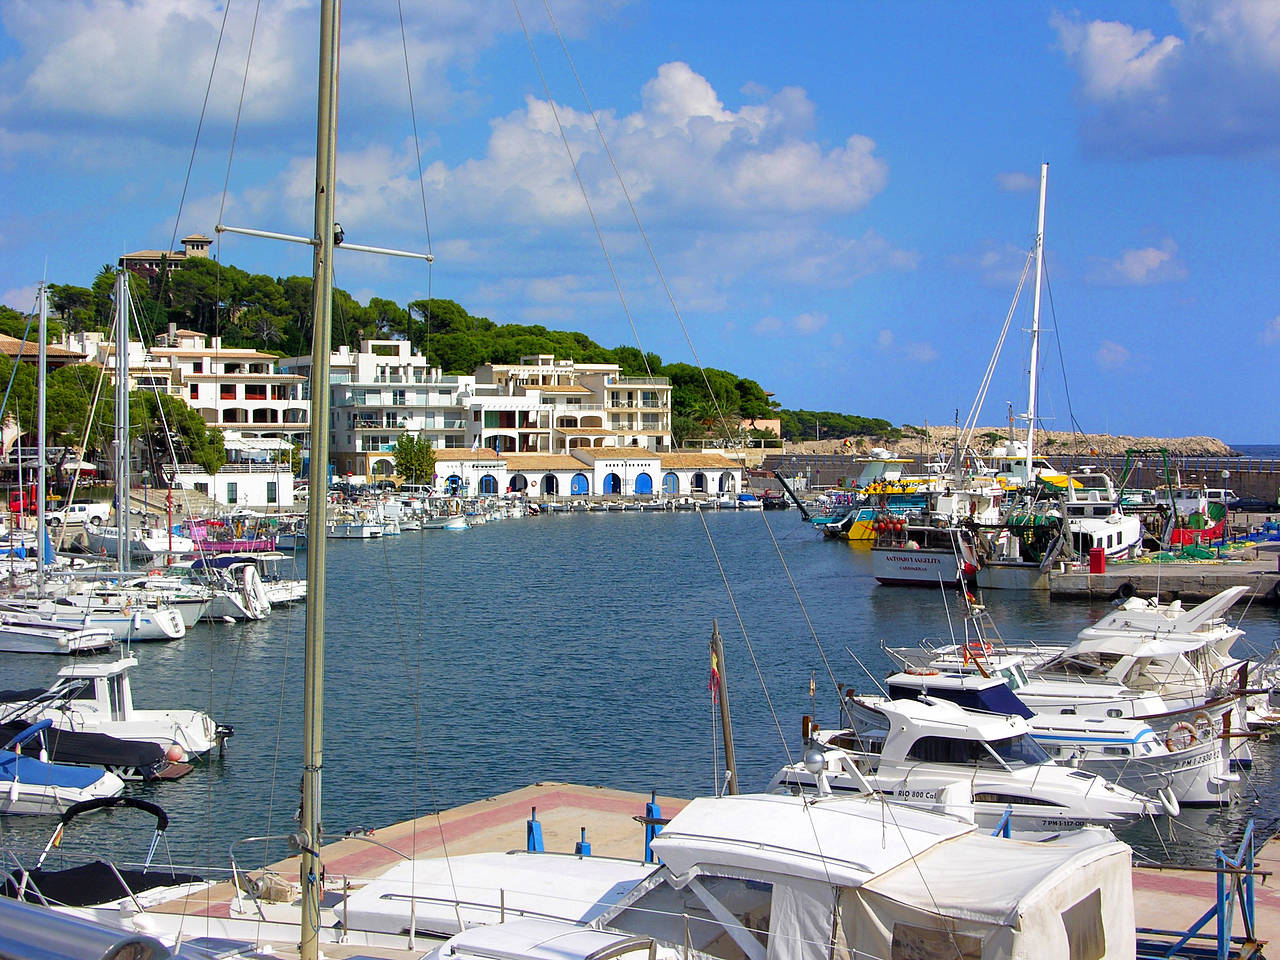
978	648
922	671
1171	741
1203	720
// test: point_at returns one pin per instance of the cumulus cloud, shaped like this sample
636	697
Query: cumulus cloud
999	265
1141	267
810	322
884	339
1213	89
921	353
1270	333
22	299
1111	355
768	325
1016	182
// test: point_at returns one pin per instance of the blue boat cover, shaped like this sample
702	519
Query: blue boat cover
29	734
32	771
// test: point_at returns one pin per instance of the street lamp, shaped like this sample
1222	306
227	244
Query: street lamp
146	479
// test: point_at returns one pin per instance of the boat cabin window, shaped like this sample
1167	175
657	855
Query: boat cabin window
1005	799
680	916
1015	751
1117	751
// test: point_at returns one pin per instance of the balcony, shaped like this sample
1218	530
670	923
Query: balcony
643	381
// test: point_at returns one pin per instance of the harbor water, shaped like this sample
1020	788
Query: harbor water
566	647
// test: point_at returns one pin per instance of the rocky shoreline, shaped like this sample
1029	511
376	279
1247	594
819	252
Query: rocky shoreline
1050	443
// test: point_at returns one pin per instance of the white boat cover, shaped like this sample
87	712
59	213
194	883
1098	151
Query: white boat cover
1069	897
482	888
844	841
542	940
1137	645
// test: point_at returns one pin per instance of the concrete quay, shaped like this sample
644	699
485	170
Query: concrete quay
1171	581
1164	898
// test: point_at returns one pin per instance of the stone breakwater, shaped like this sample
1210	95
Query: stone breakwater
1049	443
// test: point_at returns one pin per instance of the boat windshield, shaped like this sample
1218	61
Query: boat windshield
1018	751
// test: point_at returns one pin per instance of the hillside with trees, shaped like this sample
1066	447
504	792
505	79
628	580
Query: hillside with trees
273	315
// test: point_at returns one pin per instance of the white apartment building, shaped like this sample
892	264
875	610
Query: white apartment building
589	405
232	388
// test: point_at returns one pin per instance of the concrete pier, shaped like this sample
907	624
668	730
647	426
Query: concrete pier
1172	581
1163	898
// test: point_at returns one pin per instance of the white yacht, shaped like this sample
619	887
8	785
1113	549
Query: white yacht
1189	766
130	622
145	543
934	754
56	638
1091	511
98	698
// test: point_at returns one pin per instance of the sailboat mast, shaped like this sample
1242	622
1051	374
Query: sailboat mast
122	419
321	304
41	453
1035	327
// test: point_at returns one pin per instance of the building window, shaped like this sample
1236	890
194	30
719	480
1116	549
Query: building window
195	391
227	391
397	398
231	492
197	366
255	391
271	491
475	416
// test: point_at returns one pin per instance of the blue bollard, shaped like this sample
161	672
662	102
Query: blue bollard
582	848
652	812
533	833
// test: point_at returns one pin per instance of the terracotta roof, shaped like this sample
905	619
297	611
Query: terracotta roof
457	455
567	388
12	347
617	453
538	462
589	431
154	255
234	353
700	460
240	376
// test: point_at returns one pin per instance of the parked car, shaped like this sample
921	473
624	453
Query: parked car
1252	504
93	514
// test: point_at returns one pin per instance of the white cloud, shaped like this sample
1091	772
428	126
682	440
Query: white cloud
921	353
1111	355
998	265
1016	182
884	339
1215	89
767	325
809	322
22	299
1114	59
1270	333
1141	267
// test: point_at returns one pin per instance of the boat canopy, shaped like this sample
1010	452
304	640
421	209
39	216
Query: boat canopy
1135	645
970	691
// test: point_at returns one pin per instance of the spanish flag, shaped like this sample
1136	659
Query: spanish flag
714	683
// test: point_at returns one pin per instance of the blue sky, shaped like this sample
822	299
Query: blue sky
839	196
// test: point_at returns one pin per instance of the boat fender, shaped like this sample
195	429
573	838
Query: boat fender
922	671
1168	801
1171	741
1275	592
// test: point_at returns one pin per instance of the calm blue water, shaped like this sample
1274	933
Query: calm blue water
460	665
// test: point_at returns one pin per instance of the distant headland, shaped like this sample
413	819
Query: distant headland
916	441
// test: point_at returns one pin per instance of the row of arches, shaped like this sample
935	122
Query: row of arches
579	484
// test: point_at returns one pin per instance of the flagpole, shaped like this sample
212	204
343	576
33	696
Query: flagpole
718	675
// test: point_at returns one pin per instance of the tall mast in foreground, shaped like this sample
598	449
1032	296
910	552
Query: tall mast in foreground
1035	327
42	469
321	306
122	419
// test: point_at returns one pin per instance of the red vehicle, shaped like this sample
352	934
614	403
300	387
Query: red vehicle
23	501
